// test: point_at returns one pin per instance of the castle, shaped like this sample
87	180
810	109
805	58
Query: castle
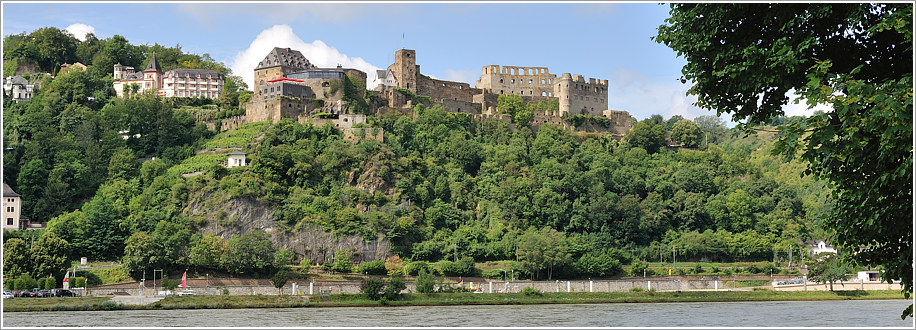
287	85
174	83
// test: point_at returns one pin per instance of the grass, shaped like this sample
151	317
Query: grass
440	299
237	138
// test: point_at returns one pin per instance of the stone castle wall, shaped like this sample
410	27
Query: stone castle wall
514	80
577	96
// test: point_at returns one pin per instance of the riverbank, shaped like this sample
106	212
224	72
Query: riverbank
440	299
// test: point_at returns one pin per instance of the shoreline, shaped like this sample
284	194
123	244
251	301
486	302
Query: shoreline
438	299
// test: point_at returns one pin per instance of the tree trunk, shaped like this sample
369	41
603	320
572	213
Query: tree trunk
831	286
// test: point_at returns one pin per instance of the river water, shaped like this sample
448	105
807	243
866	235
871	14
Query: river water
850	313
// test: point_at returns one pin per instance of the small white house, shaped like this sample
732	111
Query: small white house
869	276
385	78
819	246
236	158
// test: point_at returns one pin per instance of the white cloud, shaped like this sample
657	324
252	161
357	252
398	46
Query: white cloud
643	97
801	109
317	52
467	76
80	30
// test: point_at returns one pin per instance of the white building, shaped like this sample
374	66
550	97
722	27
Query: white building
385	78
12	208
17	88
174	83
236	158
819	246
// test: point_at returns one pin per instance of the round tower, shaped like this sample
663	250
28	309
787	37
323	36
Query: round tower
561	90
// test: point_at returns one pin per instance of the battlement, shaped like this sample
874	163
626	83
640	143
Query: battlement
515	70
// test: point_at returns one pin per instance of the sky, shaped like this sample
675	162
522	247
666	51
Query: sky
453	41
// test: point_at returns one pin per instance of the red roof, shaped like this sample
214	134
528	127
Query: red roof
286	79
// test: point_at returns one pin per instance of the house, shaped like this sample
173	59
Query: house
869	276
385	78
173	83
17	88
819	246
68	68
236	158
12	211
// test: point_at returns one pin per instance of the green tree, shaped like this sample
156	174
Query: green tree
855	58
542	249
829	268
646	135
686	133
373	288
425	282
342	262
279	280
141	253
250	253
393	288
638	267
375	267
50	255
207	251
16	258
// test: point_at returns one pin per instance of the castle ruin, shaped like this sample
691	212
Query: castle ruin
288	85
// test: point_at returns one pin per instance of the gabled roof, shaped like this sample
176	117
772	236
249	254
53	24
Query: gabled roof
238	153
382	74
18	80
285	57
153	64
8	192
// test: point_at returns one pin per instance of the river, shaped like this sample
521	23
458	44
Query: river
849	313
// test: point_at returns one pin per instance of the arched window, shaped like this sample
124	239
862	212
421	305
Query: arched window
325	84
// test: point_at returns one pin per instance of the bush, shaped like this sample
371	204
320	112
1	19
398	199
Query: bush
375	267
638	267
426	282
394	287
372	288
464	267
714	270
529	291
342	262
636	289
697	269
415	267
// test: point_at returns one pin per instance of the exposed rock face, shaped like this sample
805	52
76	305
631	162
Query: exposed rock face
241	215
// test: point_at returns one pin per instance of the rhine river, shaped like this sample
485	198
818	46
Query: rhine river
850	313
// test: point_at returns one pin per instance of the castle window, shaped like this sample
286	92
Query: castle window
500	91
512	81
443	84
500	81
529	81
543	93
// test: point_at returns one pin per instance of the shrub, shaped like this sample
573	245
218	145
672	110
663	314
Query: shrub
681	271
374	267
372	288
636	289
426	282
394	287
464	267
529	291
415	267
394	265
714	270
638	266
697	269
342	262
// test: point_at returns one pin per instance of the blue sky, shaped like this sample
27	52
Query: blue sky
453	40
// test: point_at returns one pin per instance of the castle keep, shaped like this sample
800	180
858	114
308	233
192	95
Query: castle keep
287	85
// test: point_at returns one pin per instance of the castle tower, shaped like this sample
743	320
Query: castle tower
405	69
152	75
561	90
118	72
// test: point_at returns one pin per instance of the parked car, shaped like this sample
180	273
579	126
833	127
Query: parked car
26	294
7	294
44	294
64	293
